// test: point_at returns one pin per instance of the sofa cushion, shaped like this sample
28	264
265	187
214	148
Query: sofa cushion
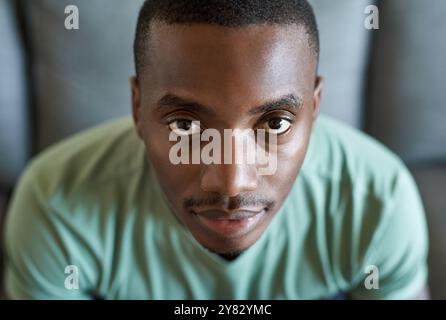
407	101
432	184
80	76
14	144
344	57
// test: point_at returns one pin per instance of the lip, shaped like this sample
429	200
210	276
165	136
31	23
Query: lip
229	224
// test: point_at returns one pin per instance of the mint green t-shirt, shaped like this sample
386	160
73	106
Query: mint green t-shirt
88	218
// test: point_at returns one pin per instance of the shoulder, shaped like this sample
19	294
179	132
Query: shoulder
67	194
342	154
368	207
88	172
90	157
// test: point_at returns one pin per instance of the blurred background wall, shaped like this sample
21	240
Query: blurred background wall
388	82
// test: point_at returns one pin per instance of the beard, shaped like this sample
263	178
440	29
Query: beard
229	256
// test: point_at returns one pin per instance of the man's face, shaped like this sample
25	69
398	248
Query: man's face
256	77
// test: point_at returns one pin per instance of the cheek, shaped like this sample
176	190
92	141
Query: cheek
291	155
295	147
175	180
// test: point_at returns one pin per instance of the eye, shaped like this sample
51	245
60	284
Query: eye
184	127
277	125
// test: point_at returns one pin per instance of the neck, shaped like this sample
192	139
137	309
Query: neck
230	256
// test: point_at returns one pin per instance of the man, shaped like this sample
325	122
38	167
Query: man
110	213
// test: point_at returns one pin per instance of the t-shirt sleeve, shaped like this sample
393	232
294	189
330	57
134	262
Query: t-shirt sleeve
395	265
38	265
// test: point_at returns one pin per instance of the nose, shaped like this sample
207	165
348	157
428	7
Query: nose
229	179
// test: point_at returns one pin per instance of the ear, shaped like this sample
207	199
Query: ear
136	105
317	95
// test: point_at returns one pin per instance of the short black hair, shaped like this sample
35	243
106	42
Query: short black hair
228	13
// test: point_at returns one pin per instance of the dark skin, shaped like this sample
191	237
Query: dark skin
227	78
231	75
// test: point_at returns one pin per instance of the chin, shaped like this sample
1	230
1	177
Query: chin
228	237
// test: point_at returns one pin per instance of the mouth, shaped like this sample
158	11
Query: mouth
229	224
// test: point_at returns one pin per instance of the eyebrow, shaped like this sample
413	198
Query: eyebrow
172	100
290	100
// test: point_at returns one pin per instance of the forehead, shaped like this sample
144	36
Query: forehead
232	65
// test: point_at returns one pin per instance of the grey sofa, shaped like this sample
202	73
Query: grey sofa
387	82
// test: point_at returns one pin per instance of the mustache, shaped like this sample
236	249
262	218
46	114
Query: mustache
230	203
